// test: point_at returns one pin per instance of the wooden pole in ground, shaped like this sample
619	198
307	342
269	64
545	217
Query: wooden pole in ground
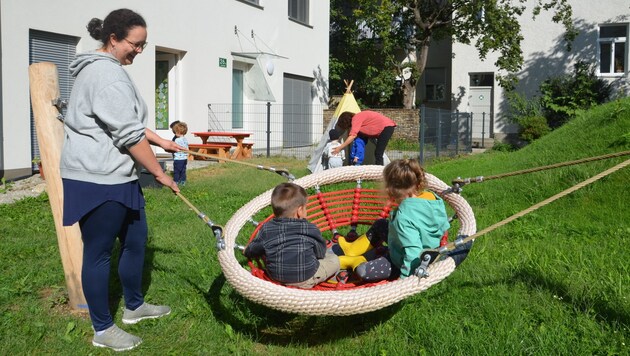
44	90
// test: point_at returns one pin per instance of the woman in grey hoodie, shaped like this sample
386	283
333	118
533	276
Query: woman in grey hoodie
106	142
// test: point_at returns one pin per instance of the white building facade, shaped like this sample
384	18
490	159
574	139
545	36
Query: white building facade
455	68
243	53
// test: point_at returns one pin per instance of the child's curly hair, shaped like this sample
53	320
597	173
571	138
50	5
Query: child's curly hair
404	178
179	128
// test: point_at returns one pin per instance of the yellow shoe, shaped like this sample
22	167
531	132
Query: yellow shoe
356	248
350	262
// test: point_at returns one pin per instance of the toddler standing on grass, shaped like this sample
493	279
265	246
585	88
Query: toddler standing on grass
294	249
357	153
333	160
180	159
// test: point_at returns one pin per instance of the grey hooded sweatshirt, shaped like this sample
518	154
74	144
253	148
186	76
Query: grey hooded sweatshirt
106	115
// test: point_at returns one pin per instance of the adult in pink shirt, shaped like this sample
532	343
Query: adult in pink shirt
368	125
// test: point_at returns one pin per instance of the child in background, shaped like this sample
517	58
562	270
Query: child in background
418	223
331	160
173	125
357	153
180	159
294	249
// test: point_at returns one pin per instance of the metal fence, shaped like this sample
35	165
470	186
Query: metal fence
444	133
295	130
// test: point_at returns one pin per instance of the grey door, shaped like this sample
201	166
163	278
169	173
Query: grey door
480	102
297	119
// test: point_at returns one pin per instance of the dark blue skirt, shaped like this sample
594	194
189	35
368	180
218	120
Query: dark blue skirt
79	198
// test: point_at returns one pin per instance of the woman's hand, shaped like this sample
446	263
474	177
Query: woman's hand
167	145
346	143
170	146
167	181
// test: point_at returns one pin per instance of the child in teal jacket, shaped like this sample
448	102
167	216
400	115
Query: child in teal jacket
418	223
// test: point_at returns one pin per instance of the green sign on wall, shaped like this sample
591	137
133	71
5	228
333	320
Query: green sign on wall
222	62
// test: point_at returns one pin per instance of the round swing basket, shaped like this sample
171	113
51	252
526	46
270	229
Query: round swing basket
335	301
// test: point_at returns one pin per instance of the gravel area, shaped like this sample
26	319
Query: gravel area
20	189
35	185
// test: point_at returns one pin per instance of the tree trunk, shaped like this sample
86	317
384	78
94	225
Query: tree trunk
409	89
422	54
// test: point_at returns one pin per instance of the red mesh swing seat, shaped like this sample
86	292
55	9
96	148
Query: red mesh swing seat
330	211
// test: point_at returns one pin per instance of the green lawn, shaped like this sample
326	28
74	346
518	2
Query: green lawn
556	281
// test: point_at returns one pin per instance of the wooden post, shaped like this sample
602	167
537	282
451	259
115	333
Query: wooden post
44	90
348	86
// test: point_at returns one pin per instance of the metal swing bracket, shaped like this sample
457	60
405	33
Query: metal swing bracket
216	230
426	258
60	104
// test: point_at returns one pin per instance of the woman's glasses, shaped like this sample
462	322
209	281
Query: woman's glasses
137	47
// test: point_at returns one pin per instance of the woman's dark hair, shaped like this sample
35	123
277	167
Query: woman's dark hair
345	120
118	22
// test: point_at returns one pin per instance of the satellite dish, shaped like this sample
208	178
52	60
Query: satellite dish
406	73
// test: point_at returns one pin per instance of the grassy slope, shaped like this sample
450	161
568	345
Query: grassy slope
555	281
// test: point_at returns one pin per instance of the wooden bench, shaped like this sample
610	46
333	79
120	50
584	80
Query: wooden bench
221	150
246	147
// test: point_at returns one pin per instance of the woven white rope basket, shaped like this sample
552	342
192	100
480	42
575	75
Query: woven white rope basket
334	302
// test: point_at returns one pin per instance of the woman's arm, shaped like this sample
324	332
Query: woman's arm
156	140
344	144
143	155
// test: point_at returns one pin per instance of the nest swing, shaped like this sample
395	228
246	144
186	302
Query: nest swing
336	301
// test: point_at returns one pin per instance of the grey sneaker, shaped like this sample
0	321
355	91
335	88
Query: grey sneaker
145	311
116	339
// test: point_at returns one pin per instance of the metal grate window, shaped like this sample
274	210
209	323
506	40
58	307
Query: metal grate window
57	49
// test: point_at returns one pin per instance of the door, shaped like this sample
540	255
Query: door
480	102
297	119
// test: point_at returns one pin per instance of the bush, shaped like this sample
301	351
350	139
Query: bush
562	96
503	147
533	127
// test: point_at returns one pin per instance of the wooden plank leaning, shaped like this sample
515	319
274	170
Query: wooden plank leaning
44	86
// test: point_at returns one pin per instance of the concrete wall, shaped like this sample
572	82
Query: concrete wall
200	32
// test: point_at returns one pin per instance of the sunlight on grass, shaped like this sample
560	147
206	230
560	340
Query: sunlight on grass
556	281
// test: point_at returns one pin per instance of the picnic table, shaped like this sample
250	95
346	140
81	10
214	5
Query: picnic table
242	150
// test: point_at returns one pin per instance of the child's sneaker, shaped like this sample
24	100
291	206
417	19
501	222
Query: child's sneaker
342	276
116	339
145	311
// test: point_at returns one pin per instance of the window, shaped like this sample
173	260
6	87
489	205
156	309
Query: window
237	98
161	94
60	50
435	84
481	79
613	49
298	10
166	97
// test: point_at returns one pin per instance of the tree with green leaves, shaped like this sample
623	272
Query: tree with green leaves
368	38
